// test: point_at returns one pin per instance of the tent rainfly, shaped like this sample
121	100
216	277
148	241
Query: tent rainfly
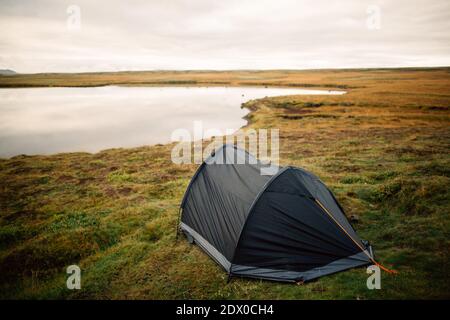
285	227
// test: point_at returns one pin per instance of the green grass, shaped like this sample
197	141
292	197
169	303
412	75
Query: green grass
114	213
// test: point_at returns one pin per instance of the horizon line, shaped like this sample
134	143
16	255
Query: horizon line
229	70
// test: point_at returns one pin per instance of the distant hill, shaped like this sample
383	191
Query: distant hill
7	72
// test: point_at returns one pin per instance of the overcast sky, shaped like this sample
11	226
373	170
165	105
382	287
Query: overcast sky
43	36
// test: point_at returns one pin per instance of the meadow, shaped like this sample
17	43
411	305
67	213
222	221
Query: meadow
383	149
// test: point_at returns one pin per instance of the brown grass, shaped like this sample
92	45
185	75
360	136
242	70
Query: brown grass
382	148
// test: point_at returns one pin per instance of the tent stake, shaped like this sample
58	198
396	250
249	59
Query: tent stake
178	225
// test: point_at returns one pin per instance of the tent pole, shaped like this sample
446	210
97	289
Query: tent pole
359	245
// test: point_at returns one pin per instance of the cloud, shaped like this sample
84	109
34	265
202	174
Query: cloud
181	34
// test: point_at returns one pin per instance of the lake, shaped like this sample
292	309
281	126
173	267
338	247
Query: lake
53	120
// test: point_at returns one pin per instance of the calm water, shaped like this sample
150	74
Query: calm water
52	120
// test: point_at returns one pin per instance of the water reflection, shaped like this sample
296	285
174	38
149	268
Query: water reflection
51	120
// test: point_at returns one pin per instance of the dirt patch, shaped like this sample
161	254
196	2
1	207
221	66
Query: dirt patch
125	191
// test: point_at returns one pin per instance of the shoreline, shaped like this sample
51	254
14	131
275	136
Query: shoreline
305	86
184	78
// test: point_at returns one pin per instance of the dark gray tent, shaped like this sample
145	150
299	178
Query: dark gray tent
285	227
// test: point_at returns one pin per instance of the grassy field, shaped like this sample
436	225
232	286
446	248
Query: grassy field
383	148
